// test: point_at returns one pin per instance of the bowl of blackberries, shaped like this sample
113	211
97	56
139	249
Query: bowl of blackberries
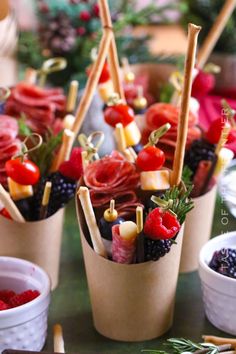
217	270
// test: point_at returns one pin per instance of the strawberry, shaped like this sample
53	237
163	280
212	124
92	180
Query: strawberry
161	225
23	298
203	83
73	168
6	295
3	306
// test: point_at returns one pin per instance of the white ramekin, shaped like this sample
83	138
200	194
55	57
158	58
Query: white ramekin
219	291
24	327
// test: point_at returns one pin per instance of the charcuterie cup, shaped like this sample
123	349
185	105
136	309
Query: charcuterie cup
38	242
130	302
197	230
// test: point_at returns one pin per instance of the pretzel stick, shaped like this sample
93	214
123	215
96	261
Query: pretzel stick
92	80
95	235
112	53
185	99
58	339
215	32
72	96
65	149
10	205
219	340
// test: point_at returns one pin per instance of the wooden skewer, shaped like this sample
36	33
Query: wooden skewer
185	100
219	340
139	218
58	339
10	205
72	96
112	52
45	200
215	32
65	149
95	235
92	80
120	137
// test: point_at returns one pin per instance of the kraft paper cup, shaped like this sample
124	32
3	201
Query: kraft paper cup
197	230
37	241
130	302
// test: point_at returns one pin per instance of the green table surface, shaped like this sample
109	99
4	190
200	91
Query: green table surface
70	304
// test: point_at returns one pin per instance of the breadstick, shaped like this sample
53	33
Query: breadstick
58	339
219	340
112	53
72	96
92	80
94	231
10	205
185	99
65	149
215	32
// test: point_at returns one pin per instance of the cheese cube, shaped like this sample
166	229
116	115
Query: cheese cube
18	191
155	180
132	134
106	90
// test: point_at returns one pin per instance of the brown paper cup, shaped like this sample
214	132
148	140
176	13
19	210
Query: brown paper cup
38	242
197	230
131	302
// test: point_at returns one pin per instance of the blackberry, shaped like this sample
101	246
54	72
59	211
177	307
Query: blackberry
224	262
199	150
155	249
63	189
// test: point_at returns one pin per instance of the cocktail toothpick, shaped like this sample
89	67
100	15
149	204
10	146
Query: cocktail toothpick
94	231
185	100
10	205
58	341
72	96
215	32
139	219
65	149
45	200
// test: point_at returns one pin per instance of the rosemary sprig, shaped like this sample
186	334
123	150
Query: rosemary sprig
176	200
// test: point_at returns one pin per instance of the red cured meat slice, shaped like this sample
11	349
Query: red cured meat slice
123	250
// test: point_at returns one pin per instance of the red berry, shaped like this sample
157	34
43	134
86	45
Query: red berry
80	31
105	74
85	16
96	10
6	295
214	131
203	84
3	306
73	168
150	159
23	298
120	113
161	225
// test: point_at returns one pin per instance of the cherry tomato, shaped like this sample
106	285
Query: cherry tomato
22	172
150	159
105	74
120	113
214	131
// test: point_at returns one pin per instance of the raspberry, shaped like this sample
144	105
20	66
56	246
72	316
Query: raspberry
6	295
3	306
155	249
23	298
224	262
203	84
161	225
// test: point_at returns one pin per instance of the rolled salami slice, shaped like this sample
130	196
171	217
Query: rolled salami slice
124	242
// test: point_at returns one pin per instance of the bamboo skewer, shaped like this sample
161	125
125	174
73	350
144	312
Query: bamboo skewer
10	205
112	52
45	200
94	231
92	80
185	100
58	339
139	219
215	32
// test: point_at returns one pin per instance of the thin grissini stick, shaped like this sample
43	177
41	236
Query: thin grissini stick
185	100
120	137
10	205
95	235
112	52
58	341
30	76
45	200
72	96
215	32
65	149
92	80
